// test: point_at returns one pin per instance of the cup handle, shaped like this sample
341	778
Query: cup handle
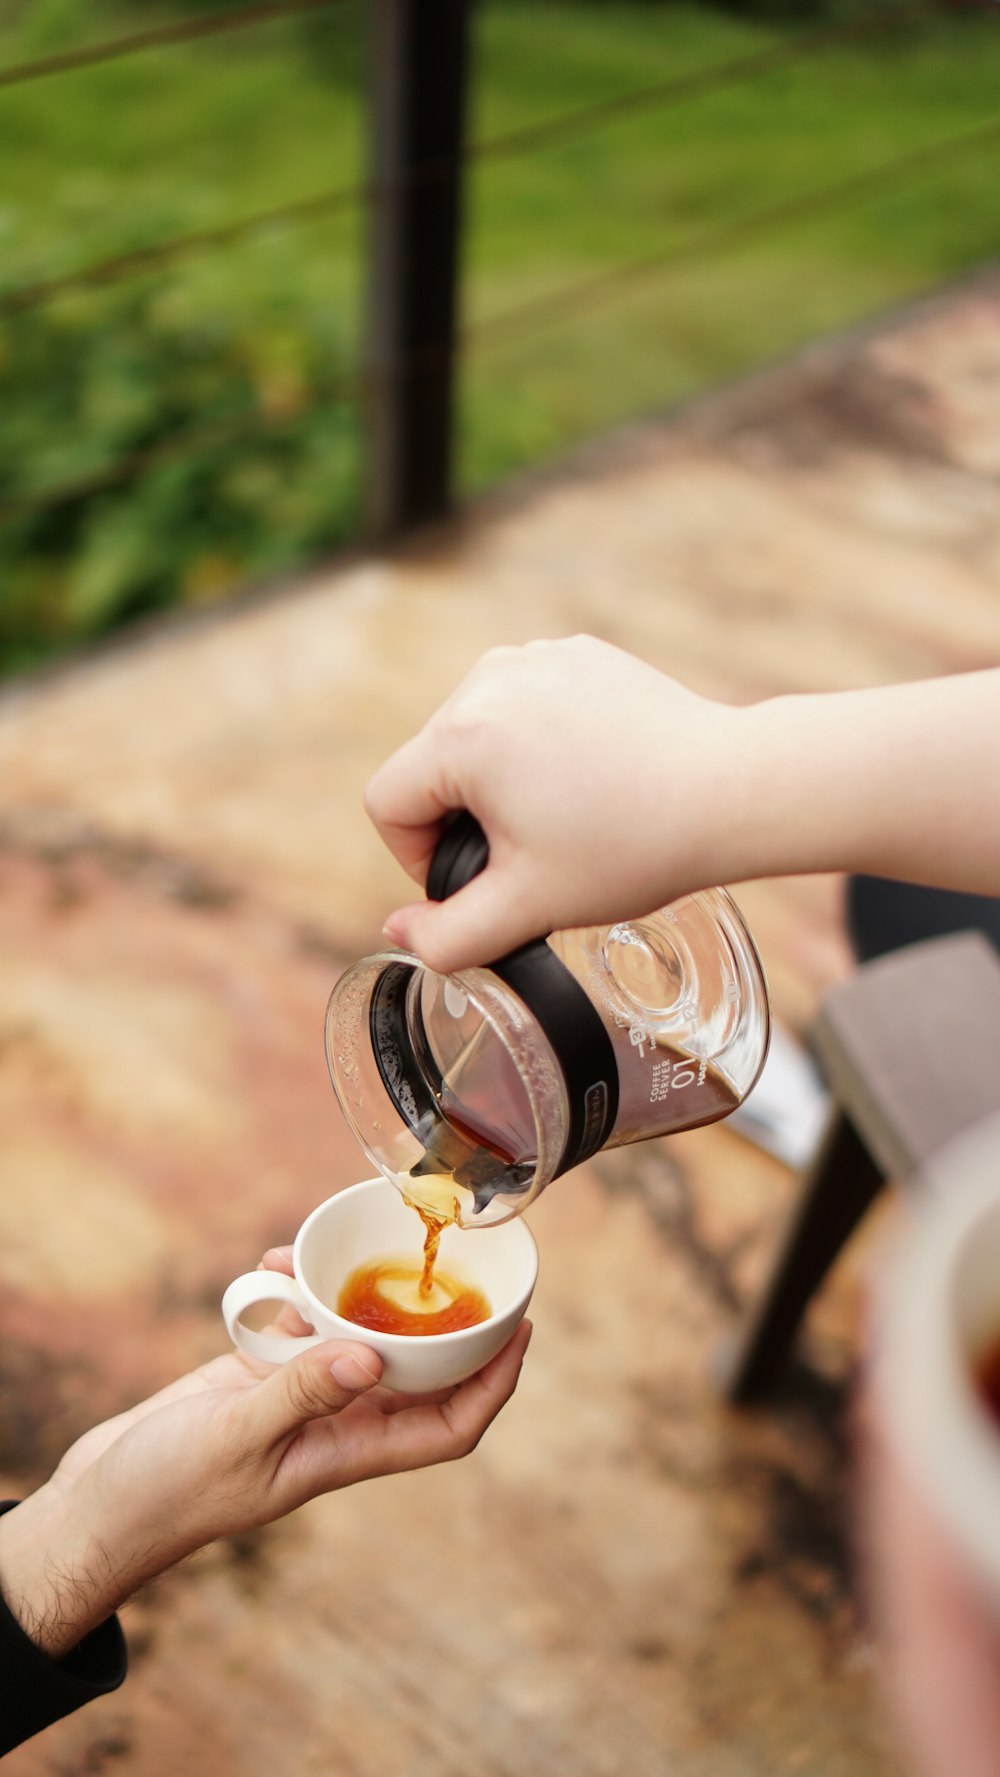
265	1286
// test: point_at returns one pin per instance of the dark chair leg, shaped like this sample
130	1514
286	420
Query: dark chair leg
842	1184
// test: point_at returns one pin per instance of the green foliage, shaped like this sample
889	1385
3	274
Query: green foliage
243	342
278	487
216	370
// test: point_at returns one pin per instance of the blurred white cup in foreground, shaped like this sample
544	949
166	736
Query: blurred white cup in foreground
937	1339
930	1468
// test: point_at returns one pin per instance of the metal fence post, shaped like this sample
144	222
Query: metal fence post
419	66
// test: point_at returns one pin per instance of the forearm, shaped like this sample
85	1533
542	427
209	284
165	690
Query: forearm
901	781
59	1577
606	789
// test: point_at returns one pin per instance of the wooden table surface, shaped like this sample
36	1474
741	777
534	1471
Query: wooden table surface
625	1576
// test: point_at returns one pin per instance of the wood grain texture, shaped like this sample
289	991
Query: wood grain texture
626	1575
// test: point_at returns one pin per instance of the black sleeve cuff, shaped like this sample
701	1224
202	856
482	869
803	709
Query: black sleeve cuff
35	1690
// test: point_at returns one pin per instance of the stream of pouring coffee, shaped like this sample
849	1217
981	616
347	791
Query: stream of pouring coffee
438	1208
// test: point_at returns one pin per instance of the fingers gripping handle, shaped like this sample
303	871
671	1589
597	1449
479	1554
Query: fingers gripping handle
265	1286
462	852
561	1005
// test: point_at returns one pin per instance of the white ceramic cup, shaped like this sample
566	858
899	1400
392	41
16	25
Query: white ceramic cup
937	1319
371	1221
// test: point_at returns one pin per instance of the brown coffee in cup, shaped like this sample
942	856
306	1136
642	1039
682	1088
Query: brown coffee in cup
391	1296
987	1378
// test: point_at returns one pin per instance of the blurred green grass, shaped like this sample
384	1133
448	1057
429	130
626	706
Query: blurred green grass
116	157
659	178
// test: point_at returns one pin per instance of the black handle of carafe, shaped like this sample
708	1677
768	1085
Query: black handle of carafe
548	989
461	853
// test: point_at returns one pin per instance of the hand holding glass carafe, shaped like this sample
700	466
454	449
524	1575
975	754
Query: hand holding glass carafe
471	1092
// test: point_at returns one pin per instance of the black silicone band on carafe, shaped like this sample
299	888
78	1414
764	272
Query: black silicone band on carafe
552	995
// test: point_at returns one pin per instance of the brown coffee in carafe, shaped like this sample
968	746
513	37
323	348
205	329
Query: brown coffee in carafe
472	1092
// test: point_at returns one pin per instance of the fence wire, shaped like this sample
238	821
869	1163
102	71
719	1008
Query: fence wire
556	306
527	319
512	144
181	446
532	318
205	24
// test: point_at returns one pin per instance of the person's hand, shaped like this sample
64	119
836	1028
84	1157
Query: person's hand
592	775
606	790
232	1445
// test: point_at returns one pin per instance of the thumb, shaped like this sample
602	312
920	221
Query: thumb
476	925
313	1385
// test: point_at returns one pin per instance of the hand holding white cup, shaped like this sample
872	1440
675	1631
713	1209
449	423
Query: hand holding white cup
363	1224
